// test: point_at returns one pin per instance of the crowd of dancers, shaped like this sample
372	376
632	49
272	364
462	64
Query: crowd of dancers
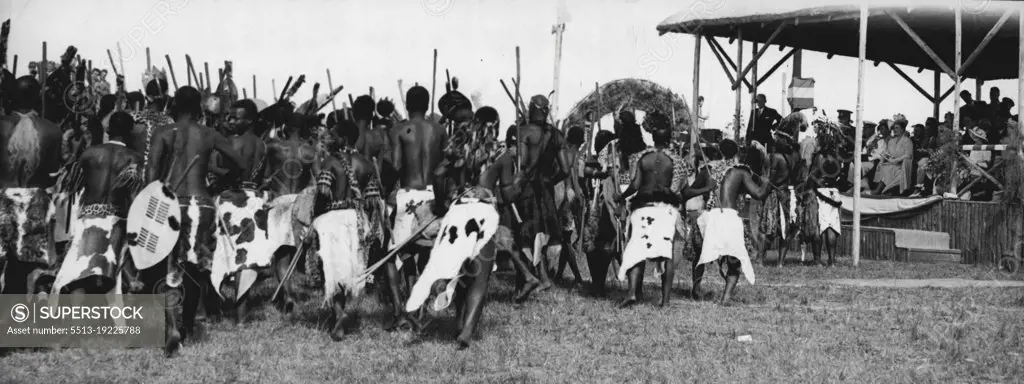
199	195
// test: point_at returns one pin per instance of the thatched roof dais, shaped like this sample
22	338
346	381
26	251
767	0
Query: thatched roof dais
832	26
638	94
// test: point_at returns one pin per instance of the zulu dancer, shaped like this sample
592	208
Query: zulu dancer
173	147
110	175
720	225
601	236
658	176
342	229
244	243
542	167
778	213
31	155
820	223
500	177
419	149
289	169
569	198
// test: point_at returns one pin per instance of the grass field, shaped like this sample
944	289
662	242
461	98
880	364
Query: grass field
803	329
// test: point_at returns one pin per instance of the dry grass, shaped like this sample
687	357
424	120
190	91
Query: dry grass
816	333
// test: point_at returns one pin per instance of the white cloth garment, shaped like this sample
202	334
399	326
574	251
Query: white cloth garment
343	258
467	227
652	230
828	214
722	230
407	202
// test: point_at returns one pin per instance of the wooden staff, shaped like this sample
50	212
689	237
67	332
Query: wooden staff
284	91
372	95
14	69
520	97
511	98
351	104
112	66
149	62
273	88
209	84
330	98
253	86
192	72
518	79
201	85
401	94
245	95
42	77
433	84
170	67
120	58
330	83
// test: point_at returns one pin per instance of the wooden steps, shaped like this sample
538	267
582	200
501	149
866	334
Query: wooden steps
894	244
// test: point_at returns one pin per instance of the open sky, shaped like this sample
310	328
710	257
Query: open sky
376	43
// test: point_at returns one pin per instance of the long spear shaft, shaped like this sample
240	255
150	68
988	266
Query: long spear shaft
170	67
433	84
330	83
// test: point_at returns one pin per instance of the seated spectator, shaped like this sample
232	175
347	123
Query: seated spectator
874	147
923	150
897	161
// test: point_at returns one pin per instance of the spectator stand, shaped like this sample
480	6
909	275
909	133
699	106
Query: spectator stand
888	31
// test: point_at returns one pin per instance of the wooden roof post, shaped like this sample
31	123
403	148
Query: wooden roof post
859	131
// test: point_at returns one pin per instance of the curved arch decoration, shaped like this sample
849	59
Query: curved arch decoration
638	94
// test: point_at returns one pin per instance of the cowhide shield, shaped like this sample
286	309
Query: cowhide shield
243	242
25	215
154	224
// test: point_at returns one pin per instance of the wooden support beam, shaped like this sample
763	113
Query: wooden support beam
920	43
858	131
695	107
724	58
936	101
967	187
758	54
978	168
718	55
911	81
1020	70
775	67
984	42
956	101
951	89
739	92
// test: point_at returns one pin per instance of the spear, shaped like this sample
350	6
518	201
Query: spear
170	67
209	83
330	83
433	84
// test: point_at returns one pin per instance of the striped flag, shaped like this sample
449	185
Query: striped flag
801	93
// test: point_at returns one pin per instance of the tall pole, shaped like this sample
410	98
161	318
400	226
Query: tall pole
782	100
956	99
739	90
1020	70
753	82
936	95
557	30
859	131
696	108
433	84
253	86
273	88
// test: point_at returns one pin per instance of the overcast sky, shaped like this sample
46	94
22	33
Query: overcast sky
375	43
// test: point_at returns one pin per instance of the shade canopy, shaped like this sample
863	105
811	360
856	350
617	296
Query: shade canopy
832	26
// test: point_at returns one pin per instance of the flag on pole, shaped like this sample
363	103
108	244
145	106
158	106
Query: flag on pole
801	93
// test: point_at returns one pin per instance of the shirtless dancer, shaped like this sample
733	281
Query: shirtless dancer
541	167
289	167
778	213
500	178
570	201
418	151
720	225
342	229
173	148
31	152
242	209
658	176
110	175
